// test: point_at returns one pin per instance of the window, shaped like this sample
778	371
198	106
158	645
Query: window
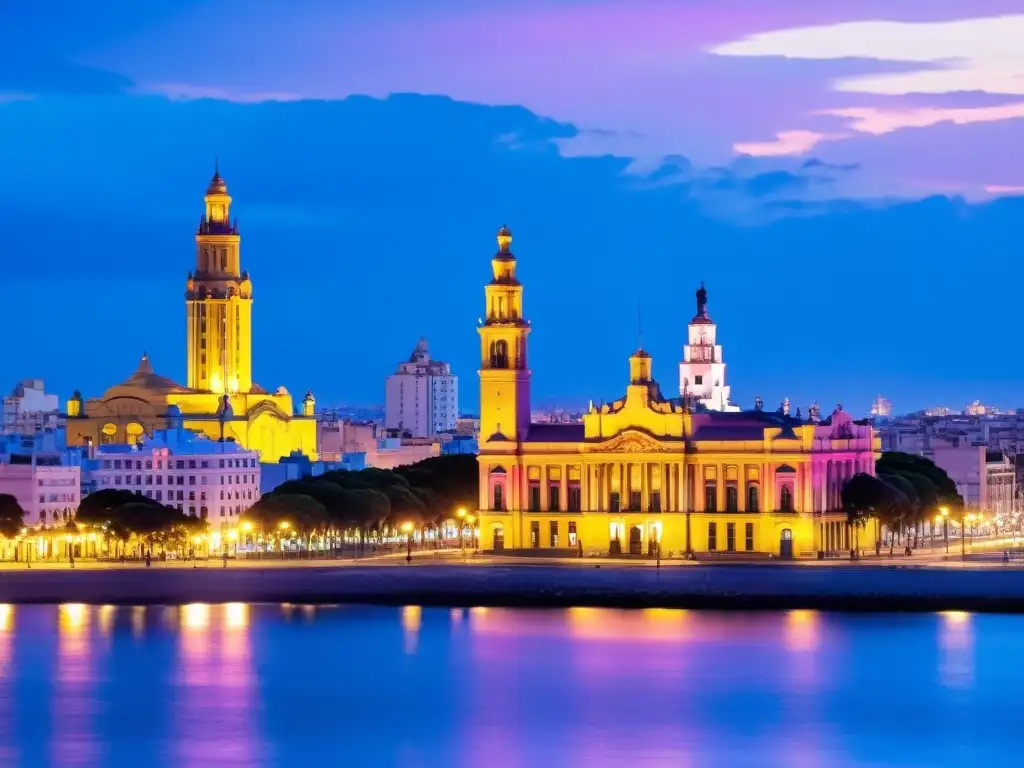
499	354
634	500
786	500
535	534
117	463
749	544
191	495
534	497
712	537
615	502
191	463
753	503
192	509
553	535
655	501
159	495
191	479
698	380
574	498
149	464
499	501
732	498
730	537
710	497
222	463
204	464
553	498
572	533
180	464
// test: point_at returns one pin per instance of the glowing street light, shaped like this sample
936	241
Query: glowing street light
407	529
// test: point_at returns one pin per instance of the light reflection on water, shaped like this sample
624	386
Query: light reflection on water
292	685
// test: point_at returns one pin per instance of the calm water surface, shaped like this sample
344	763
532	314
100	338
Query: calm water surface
246	685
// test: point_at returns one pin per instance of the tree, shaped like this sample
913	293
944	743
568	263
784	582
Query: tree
904	464
864	496
12	516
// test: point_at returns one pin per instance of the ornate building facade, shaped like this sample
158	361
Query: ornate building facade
644	473
221	400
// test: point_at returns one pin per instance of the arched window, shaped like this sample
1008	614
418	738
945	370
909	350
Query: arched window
499	354
499	497
786	499
753	500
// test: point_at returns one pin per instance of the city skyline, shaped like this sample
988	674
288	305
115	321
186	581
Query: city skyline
823	266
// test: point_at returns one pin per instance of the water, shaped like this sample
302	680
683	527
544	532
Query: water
232	684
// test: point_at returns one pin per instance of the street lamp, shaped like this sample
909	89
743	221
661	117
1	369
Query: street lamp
945	525
963	534
460	515
471	519
407	529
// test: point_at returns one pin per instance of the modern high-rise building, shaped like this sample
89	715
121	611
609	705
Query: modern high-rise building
422	396
220	399
702	372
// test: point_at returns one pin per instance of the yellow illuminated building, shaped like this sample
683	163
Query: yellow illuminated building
220	398
645	474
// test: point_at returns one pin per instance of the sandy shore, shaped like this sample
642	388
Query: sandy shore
720	587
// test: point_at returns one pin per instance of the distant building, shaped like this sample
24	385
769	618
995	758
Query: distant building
211	479
43	474
422	396
337	438
29	408
702	372
881	408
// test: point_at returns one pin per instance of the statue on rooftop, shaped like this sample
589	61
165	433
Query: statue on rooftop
702	301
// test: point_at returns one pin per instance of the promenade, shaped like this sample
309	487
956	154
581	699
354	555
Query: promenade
881	585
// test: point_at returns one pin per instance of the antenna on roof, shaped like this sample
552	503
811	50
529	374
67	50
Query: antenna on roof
639	327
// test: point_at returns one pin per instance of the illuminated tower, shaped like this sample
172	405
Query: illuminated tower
702	372
504	376
218	300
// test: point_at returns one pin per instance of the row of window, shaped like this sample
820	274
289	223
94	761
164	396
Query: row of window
730	537
180	495
178	464
115	480
50	498
635	501
553	529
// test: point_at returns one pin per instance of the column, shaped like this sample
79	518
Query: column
645	486
563	490
544	482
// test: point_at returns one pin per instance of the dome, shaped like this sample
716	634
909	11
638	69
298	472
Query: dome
281	391
504	238
76	395
308	397
217	185
144	379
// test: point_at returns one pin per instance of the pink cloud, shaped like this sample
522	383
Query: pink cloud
878	121
786	143
1004	189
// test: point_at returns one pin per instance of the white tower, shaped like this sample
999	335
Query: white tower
702	372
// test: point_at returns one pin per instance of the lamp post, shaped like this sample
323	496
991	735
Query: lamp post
460	515
471	519
284	525
963	535
945	525
407	528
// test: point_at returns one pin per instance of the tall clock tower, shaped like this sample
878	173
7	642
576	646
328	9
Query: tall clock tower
218	301
504	375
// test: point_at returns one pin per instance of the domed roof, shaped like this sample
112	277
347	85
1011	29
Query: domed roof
144	379
217	186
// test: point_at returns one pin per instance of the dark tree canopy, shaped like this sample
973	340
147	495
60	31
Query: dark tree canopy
12	516
904	464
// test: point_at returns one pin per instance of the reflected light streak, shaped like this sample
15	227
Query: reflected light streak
195	616
106	617
6	617
802	631
412	619
138	621
956	642
236	615
73	617
76	741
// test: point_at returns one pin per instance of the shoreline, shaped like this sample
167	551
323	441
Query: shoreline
720	587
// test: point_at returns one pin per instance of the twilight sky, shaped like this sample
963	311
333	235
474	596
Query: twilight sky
846	177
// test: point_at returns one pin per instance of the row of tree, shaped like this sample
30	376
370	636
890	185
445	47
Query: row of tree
905	492
371	500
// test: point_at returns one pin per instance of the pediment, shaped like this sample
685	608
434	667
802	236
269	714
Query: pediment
631	441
